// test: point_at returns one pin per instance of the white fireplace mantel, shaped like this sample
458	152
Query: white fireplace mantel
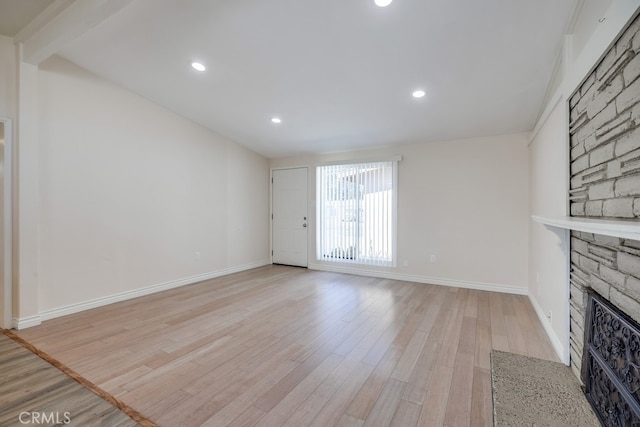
624	229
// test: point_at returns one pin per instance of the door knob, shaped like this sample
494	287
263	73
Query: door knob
304	225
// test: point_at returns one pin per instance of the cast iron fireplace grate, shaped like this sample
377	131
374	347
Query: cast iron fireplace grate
612	364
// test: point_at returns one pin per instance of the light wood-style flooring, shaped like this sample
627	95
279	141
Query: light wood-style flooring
284	346
29	385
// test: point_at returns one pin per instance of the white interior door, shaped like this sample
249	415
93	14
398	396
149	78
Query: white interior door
290	217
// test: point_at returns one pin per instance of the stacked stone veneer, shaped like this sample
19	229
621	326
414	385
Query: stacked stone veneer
605	183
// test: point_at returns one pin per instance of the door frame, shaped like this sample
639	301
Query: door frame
271	208
6	310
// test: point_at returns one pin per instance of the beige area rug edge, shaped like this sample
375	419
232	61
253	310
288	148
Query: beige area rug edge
533	392
126	409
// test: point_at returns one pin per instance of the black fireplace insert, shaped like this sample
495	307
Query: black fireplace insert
611	372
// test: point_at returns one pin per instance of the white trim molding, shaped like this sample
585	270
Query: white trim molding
26	322
561	350
491	287
123	296
546	113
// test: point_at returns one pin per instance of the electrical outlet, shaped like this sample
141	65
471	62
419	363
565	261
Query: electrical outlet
433	258
405	263
197	255
550	316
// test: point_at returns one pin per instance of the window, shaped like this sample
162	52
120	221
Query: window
356	210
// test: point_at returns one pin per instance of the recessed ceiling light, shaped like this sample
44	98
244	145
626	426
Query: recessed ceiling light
418	93
198	66
383	3
276	120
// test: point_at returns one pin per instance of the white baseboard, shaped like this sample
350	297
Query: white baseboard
98	302
422	279
560	349
26	322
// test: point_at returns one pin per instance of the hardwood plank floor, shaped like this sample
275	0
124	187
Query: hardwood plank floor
34	391
281	346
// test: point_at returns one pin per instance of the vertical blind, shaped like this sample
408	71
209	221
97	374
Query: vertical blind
356	210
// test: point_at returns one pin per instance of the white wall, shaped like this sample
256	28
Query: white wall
129	192
548	266
7	78
6	303
590	14
465	201
26	194
8	109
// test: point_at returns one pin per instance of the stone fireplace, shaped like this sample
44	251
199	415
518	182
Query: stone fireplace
605	184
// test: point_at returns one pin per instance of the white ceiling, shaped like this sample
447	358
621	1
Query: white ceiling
15	14
338	72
